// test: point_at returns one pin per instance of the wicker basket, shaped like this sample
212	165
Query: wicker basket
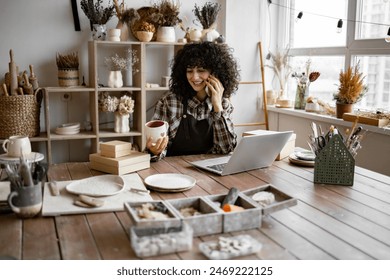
334	164
19	115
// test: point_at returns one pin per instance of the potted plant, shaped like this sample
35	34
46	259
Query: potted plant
126	18
122	108
116	64
166	18
146	31
68	69
282	71
98	16
350	91
207	17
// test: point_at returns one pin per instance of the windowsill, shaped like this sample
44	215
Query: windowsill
325	118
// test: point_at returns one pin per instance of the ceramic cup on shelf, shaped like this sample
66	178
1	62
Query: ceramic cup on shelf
17	146
156	129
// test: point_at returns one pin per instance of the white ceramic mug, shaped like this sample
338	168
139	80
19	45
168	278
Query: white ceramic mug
156	129
17	146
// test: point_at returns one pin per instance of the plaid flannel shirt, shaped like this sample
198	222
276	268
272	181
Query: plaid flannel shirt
169	108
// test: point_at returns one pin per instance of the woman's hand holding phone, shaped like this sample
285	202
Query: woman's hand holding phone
214	90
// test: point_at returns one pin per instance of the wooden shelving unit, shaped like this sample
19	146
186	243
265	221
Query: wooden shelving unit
97	50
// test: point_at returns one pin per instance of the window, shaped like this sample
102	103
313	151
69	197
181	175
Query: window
314	37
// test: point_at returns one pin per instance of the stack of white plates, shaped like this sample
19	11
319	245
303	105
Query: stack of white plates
68	128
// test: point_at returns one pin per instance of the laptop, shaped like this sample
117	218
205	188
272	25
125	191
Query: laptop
252	152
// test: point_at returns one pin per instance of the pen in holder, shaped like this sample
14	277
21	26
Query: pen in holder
334	164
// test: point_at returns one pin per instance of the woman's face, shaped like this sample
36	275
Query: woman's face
197	76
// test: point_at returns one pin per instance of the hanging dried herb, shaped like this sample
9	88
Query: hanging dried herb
95	12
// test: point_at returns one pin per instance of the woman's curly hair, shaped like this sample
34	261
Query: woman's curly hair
217	58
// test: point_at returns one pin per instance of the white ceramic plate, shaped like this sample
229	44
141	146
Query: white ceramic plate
305	155
104	185
295	160
170	182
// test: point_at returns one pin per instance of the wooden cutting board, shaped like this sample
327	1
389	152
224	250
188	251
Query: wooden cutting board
63	204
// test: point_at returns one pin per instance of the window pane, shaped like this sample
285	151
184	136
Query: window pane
371	19
318	25
327	83
376	70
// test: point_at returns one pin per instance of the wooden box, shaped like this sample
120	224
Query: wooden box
249	218
282	200
365	120
288	147
122	165
115	149
208	222
172	221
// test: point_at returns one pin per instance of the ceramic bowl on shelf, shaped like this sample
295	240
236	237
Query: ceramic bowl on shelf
68	128
144	36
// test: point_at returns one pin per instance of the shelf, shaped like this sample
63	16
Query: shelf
109	133
69	89
81	135
119	89
157	89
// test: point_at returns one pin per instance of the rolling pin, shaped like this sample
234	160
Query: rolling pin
13	85
33	79
27	88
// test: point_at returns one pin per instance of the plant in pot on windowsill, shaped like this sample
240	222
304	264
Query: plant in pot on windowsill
166	18
98	16
116	64
122	108
350	91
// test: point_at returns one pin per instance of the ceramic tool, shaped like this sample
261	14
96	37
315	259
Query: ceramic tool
13	87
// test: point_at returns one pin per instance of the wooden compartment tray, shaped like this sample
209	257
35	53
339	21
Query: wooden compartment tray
172	221
208	222
282	200
249	218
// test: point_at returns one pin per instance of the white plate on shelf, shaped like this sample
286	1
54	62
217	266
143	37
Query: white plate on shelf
104	185
170	182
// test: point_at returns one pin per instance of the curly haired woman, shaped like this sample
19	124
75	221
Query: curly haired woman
197	107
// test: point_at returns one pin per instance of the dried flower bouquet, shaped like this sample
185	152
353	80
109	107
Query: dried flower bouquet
118	63
351	88
95	12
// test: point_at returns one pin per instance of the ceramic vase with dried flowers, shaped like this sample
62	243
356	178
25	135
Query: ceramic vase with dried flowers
207	17
126	17
116	64
282	71
350	91
166	18
68	69
304	80
98	16
122	109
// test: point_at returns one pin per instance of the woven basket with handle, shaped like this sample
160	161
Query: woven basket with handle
19	114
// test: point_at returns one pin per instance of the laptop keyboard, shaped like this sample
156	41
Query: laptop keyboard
218	167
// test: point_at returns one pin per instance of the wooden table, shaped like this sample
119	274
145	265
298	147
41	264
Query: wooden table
329	222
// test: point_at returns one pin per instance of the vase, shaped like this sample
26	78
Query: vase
122	123
342	108
144	36
115	79
99	32
113	34
210	35
195	35
166	34
124	31
300	97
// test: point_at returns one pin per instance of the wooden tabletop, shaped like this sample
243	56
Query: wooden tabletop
329	222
